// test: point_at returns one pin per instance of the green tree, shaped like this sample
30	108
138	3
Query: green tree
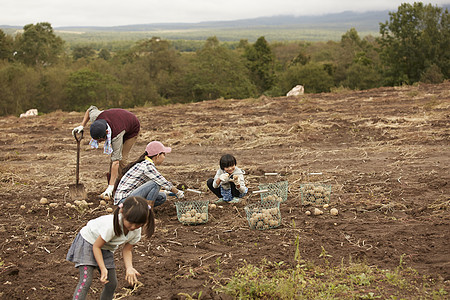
18	86
139	88
85	87
6	46
104	54
161	64
82	52
38	45
313	76
416	37
357	64
216	71
261	64
51	94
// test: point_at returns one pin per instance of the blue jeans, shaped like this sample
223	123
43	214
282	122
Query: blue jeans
227	195
150	191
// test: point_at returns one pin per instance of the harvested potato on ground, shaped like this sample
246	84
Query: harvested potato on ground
102	202
317	212
43	201
334	211
308	213
109	209
53	204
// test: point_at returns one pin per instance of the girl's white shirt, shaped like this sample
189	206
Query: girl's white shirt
104	226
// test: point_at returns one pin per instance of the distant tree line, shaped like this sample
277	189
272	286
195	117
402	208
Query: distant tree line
37	70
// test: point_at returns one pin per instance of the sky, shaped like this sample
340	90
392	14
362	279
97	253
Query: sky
121	12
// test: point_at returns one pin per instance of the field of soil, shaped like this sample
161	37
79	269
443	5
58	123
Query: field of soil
385	152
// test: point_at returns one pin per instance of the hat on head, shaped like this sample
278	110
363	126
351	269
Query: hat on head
155	147
98	129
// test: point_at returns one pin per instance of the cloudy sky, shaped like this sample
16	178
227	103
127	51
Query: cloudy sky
121	12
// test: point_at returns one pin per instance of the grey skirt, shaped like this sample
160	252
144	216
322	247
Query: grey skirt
81	254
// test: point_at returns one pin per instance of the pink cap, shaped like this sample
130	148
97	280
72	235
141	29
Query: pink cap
155	147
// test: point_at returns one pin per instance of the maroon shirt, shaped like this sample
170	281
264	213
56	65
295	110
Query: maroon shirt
119	120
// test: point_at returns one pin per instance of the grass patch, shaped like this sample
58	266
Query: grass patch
270	280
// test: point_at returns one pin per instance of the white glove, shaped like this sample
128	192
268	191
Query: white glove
180	194
224	177
77	129
107	194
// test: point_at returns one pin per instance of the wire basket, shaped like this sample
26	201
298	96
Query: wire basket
315	193
275	191
263	215
192	212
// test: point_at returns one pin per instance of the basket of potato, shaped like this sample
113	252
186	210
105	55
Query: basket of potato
278	190
315	193
192	212
263	215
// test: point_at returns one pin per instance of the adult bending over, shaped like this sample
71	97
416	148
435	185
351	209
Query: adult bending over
119	129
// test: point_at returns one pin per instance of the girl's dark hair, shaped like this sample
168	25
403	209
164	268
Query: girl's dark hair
135	210
227	160
127	167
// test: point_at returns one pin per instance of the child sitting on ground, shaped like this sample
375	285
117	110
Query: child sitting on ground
228	184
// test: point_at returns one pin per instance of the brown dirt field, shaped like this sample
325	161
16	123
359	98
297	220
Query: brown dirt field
384	151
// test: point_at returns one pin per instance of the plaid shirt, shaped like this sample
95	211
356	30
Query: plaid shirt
139	174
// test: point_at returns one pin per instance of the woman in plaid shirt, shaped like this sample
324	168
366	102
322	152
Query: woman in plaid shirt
141	177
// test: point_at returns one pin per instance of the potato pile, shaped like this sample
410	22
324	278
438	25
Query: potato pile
274	198
193	215
316	194
265	218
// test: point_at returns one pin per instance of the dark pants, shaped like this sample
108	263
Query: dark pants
234	191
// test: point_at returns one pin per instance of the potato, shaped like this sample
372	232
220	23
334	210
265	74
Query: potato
317	212
53	204
43	201
308	213
212	206
105	197
68	205
334	211
22	207
109	209
102	202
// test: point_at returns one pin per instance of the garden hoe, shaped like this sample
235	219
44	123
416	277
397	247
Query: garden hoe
77	191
